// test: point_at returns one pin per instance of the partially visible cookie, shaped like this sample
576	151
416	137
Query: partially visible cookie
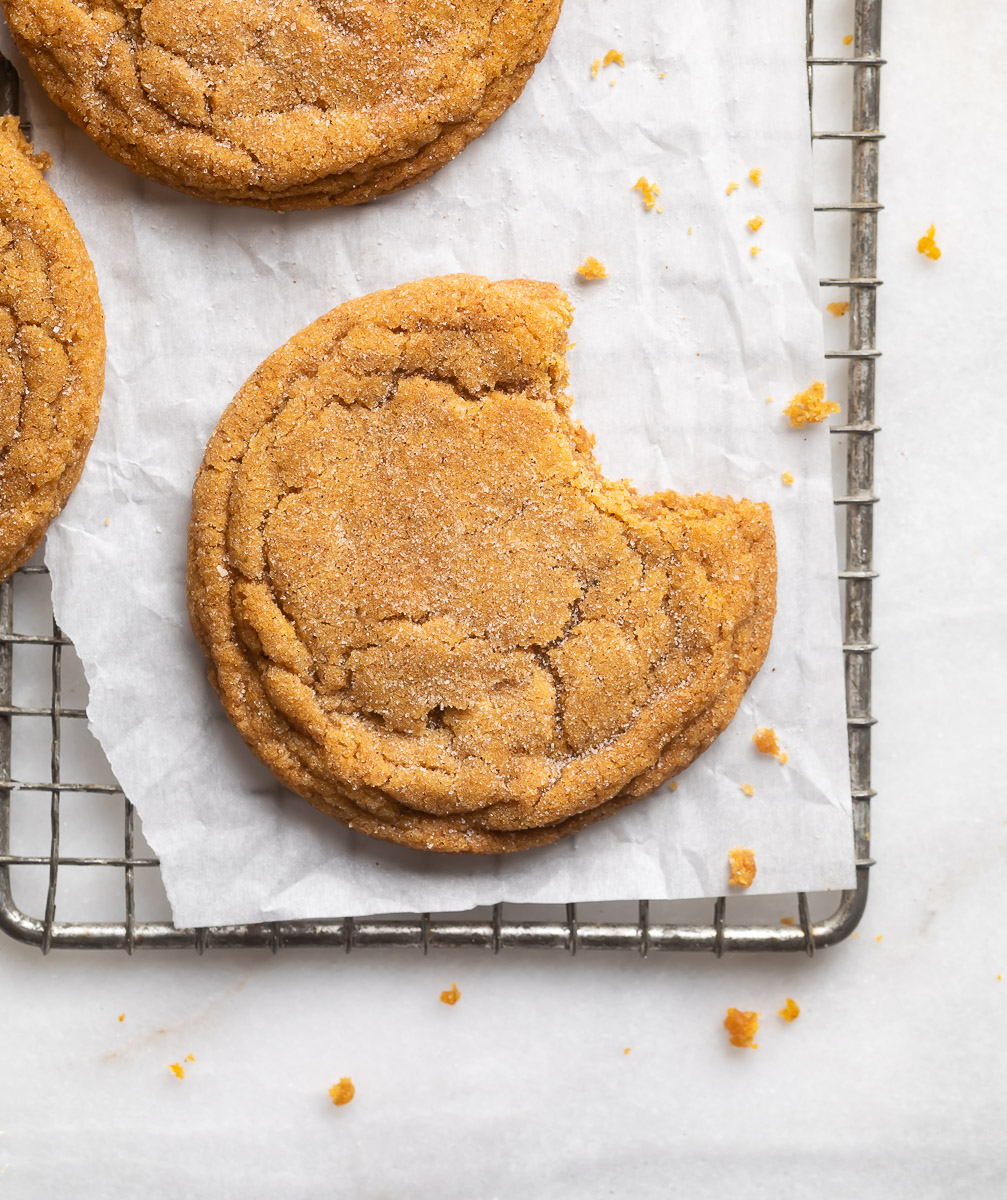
422	604
284	103
52	350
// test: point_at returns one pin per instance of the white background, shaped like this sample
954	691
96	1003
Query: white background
891	1082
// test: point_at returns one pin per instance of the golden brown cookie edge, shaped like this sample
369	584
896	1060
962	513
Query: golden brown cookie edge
62	236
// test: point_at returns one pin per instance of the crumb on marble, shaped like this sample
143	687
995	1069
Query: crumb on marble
927	246
742	1027
790	1010
342	1092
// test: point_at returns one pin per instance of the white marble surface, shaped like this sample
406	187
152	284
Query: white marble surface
891	1082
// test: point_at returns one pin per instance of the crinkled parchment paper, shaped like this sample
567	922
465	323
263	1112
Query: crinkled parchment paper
675	356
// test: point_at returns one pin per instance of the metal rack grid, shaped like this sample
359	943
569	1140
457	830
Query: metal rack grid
496	932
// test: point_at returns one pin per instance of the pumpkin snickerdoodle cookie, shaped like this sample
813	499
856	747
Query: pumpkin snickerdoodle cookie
422	604
284	103
52	350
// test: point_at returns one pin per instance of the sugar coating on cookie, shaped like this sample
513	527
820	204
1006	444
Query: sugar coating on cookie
52	350
283	103
425	608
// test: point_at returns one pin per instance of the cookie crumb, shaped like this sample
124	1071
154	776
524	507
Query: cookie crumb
790	1011
592	268
626	1051
755	175
177	1070
742	1027
595	68
787	478
748	789
769	399
839	308
756	223
766	743
787	921
689	230
743	868
926	245
848	40
107	519
810	407
855	935
342	1092
649	191
614	56
879	937
451	996
673	786
190	1058
755	250
122	1017
732	187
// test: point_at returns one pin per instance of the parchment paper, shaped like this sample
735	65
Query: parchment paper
676	354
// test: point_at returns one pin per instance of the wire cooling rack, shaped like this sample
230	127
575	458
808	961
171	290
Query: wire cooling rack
30	761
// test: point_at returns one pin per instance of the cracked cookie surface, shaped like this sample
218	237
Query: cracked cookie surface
52	351
283	103
425	608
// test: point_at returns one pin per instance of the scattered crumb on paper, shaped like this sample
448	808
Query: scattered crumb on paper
592	268
743	867
810	406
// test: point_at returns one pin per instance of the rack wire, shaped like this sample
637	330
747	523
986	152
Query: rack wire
644	930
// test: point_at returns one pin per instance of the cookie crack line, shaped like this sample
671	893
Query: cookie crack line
284	105
460	636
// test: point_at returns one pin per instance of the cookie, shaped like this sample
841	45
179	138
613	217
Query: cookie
284	104
52	350
425	608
